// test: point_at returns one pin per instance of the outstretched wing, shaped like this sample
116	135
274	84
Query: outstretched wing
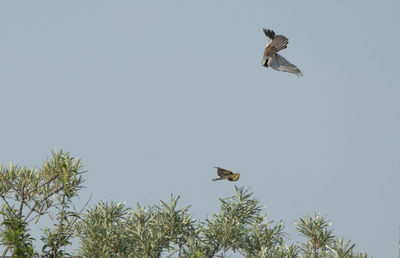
281	64
223	172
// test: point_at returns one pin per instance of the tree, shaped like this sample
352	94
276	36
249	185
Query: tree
112	230
29	194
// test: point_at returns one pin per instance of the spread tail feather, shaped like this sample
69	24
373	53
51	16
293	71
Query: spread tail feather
278	43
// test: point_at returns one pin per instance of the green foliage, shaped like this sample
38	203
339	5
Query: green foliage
31	193
111	230
320	239
318	233
341	249
58	237
102	231
239	226
15	234
146	232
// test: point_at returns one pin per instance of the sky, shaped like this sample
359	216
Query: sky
152	95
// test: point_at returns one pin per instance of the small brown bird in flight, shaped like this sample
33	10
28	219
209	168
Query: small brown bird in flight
273	59
226	174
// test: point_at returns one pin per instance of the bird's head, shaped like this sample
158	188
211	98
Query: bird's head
264	61
235	177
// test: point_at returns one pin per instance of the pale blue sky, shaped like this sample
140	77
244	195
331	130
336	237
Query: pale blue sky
153	94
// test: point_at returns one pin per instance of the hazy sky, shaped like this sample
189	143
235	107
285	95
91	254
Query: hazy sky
151	95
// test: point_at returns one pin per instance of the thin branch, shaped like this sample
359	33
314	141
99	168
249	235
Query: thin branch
41	201
35	210
80	212
5	251
240	251
21	206
184	244
45	183
16	190
5	200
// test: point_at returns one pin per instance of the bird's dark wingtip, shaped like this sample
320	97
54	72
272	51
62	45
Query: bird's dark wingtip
269	33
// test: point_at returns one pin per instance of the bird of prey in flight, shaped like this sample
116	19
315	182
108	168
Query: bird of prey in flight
226	174
273	59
